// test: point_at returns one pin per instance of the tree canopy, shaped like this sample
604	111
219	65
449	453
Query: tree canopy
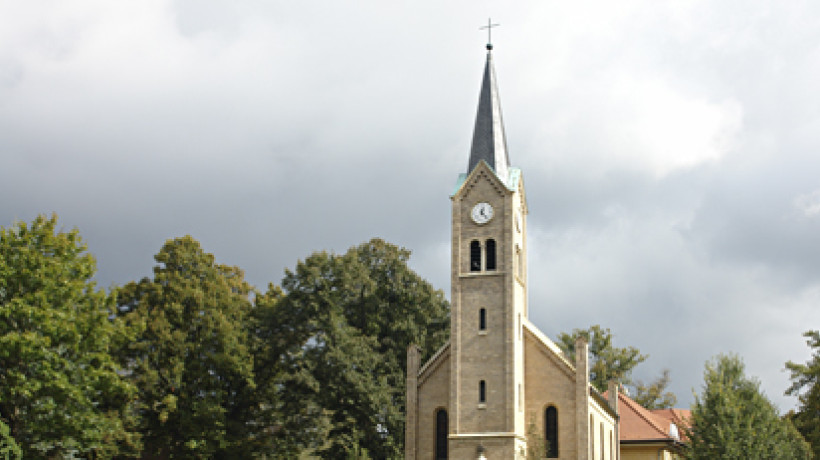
187	352
608	362
805	385
732	419
653	395
60	393
9	450
350	318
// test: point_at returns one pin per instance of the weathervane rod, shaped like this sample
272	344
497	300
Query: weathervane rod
489	28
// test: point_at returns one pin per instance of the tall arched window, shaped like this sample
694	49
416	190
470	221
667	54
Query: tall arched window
482	319
441	434
490	246
482	392
551	431
602	441
475	256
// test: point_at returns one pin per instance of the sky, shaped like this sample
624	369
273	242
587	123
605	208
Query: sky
669	149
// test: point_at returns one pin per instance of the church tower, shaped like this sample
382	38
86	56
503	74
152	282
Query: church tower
488	298
499	388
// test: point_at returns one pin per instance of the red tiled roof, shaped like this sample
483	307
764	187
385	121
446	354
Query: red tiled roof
639	424
679	417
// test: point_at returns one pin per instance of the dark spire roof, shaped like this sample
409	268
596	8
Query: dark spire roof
489	141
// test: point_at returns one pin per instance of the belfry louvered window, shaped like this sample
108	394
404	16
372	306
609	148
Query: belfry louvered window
475	256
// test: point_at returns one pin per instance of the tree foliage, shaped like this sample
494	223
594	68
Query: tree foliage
607	362
60	393
9	450
805	385
187	351
653	395
343	328
732	419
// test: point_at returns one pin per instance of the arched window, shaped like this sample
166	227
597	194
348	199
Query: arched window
551	431
482	392
475	256
602	441
441	434
482	319
490	254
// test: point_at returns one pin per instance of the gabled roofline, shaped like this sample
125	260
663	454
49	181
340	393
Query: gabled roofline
554	351
511	184
437	356
603	403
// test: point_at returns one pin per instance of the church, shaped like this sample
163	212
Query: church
500	386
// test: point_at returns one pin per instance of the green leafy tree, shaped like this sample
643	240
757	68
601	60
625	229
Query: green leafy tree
9	450
732	419
284	379
653	395
607	362
344	325
806	386
187	351
60	393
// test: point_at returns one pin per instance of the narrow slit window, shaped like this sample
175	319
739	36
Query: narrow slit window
441	434
482	319
551	431
475	256
491	254
482	392
519	262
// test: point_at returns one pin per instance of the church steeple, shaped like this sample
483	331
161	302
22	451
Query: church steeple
489	141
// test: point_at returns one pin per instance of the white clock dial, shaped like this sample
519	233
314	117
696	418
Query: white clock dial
482	213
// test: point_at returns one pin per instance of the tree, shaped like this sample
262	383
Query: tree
9	450
732	419
343	328
187	351
607	362
806	386
653	395
60	392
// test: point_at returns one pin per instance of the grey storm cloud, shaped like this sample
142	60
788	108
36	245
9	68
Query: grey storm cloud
669	149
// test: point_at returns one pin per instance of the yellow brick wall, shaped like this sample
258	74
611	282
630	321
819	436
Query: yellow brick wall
546	384
434	393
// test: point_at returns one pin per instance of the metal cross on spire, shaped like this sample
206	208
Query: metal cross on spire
489	28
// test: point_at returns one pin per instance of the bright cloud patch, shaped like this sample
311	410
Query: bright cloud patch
664	130
808	204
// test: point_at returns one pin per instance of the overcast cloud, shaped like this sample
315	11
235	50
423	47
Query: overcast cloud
669	149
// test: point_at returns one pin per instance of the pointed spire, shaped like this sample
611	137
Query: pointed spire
489	141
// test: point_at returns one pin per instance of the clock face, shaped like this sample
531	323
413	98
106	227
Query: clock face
482	213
